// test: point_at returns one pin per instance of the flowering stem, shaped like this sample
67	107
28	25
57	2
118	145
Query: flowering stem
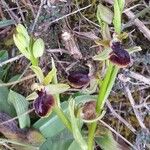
106	87
62	117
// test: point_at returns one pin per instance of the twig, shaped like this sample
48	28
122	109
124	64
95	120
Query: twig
119	135
139	24
11	13
72	13
138	116
38	14
11	60
58	50
20	11
7	146
18	81
141	13
129	126
25	70
139	77
14	118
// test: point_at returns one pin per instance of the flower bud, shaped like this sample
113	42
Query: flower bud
89	110
78	79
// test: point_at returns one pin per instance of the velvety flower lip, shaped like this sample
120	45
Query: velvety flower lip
43	104
119	56
78	79
117	46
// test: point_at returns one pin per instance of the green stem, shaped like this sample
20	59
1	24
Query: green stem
106	87
103	88
34	61
111	81
63	118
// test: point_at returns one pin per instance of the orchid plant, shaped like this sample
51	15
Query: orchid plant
46	91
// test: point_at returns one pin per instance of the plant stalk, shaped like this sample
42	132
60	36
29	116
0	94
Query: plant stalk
62	117
106	87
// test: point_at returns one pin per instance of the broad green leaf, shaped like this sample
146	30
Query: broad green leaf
104	14
4	105
59	142
51	125
56	145
3	55
106	141
5	23
103	55
22	30
21	106
14	78
39	73
21	47
22	40
38	48
56	88
50	76
75	128
74	146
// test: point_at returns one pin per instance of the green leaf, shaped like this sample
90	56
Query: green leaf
104	55
56	145
59	142
105	32
38	48
106	141
21	106
4	105
22	40
49	76
75	128
21	46
5	23
56	88
104	14
74	146
14	78
55	75
23	31
39	73
3	55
